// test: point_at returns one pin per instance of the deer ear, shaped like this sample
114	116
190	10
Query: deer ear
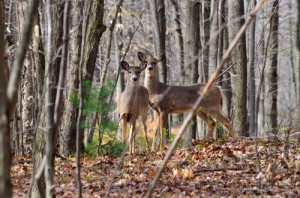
143	65
161	56
142	57
125	65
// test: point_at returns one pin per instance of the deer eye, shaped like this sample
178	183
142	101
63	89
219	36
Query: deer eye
129	71
138	73
153	63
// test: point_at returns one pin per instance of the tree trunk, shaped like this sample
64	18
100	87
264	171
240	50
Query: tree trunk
95	29
5	152
179	41
191	48
179	44
205	34
159	18
27	105
236	11
298	47
273	89
68	133
45	142
253	126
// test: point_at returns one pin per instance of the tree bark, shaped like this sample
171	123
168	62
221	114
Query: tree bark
159	18
298	47
179	41
191	48
205	34
44	152
273	88
236	11
180	46
253	125
5	152
95	29
68	133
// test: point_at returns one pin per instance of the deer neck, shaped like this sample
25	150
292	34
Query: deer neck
132	85
151	82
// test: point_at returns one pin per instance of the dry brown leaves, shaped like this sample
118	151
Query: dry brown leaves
220	169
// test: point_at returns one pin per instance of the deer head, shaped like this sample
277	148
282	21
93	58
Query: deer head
151	62
133	72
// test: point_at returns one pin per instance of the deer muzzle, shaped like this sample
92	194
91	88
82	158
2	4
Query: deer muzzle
134	78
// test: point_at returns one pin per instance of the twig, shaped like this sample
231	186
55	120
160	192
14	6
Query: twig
217	169
204	92
226	70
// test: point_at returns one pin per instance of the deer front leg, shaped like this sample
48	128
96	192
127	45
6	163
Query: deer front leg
132	138
144	119
124	129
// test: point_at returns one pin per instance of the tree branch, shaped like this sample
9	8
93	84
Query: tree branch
205	91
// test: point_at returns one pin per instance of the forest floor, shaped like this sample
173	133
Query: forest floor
223	168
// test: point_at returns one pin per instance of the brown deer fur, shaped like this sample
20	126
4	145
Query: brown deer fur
132	103
166	99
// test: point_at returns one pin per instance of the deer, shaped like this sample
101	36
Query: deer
167	99
132	103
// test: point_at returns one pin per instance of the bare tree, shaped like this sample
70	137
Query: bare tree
236	11
159	18
191	47
223	45
273	89
68	133
5	156
205	32
252	76
179	40
298	47
44	152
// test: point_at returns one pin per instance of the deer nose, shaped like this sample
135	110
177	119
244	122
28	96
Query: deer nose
150	67
134	78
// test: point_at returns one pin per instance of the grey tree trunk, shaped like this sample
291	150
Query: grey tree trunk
214	46
179	41
273	88
44	151
236	11
298	47
68	133
179	44
121	80
27	90
191	47
5	156
253	125
205	35
94	33
159	18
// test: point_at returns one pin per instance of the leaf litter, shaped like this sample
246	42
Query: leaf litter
224	168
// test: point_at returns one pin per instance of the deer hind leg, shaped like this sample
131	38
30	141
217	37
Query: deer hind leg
163	127
211	124
157	124
226	122
144	119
